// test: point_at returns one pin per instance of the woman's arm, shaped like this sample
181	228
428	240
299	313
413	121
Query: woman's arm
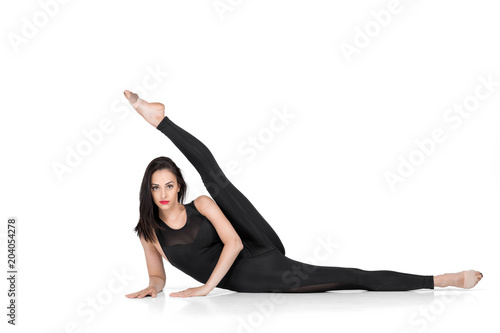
232	241
232	245
154	263
156	271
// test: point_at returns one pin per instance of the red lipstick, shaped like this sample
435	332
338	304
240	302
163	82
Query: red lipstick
164	202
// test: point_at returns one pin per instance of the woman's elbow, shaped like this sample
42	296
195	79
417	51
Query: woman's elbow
236	243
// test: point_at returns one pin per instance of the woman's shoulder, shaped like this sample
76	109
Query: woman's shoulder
201	203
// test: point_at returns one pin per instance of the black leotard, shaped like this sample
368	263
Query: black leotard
262	265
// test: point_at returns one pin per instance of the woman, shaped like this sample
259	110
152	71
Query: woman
224	242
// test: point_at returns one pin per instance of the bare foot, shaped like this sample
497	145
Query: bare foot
152	112
455	279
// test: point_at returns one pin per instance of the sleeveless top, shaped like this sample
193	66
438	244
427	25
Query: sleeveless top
195	247
187	233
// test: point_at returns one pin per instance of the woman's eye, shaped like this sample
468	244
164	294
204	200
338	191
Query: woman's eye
156	187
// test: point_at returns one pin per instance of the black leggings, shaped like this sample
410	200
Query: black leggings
249	224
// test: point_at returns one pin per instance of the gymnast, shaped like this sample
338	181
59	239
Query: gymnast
222	241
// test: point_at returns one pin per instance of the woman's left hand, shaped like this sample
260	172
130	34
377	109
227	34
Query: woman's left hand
198	291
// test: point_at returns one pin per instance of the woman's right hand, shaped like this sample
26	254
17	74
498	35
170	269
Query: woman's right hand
144	292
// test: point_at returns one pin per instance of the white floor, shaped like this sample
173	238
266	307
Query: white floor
353	311
443	309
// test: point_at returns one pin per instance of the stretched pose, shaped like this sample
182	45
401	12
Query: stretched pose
224	242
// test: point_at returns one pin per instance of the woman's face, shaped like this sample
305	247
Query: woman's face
164	189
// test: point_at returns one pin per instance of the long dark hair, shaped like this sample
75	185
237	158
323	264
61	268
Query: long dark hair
147	208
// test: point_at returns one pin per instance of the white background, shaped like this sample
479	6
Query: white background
229	71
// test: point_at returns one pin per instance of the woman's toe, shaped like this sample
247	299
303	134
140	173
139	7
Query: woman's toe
132	97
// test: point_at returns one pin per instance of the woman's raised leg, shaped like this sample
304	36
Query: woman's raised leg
246	220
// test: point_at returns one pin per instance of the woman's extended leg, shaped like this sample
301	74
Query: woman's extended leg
274	272
313	278
246	220
320	278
